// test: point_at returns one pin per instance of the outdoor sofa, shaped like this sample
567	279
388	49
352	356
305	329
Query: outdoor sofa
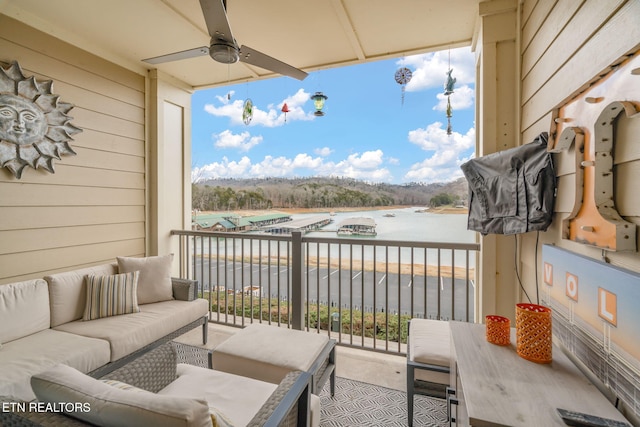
42	321
153	390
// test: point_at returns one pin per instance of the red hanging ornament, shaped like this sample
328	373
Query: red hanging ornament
285	110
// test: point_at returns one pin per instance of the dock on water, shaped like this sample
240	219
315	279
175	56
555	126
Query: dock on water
305	225
361	226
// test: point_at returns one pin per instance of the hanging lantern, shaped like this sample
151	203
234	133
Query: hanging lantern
285	110
247	111
403	76
318	101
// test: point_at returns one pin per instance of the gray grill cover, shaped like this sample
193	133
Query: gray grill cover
512	191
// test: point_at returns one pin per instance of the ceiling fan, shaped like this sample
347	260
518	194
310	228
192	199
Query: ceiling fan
224	48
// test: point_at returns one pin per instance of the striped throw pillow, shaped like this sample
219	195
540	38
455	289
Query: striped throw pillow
111	295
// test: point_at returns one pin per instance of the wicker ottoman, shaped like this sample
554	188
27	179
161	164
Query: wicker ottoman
269	353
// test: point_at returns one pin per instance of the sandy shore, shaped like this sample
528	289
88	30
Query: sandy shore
357	265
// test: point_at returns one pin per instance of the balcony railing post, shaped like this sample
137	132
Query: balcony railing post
297	288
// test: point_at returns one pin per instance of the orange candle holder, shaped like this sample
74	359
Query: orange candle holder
498	329
533	332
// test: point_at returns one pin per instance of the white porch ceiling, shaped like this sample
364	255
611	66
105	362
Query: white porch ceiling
308	34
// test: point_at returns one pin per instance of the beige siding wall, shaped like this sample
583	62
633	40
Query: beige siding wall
565	45
93	207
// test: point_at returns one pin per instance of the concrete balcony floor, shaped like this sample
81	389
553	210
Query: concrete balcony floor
357	364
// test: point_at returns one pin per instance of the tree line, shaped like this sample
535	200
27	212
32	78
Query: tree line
268	193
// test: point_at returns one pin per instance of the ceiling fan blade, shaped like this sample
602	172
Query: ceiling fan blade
176	56
259	59
215	15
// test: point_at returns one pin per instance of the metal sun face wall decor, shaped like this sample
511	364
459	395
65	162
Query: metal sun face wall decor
34	126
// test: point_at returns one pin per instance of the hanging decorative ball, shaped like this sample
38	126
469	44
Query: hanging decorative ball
403	76
285	110
247	111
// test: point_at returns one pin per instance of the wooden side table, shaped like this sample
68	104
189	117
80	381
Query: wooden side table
496	387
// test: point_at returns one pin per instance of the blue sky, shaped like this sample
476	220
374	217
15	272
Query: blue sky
367	132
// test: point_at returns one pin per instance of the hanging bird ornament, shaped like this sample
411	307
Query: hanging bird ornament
285	110
403	76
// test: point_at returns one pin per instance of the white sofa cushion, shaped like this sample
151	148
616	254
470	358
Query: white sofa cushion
113	406
35	353
430	343
24	309
238	398
111	295
68	293
130	332
217	417
154	284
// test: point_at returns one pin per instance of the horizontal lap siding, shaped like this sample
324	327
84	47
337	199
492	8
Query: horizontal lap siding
92	208
565	45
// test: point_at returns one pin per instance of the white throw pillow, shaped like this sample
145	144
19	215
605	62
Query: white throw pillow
111	295
154	284
104	405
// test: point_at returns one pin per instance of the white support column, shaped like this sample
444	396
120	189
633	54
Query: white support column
168	163
497	130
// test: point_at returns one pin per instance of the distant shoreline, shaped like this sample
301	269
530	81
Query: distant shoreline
438	210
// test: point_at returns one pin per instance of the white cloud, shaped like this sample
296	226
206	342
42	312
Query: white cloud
271	117
222	169
448	153
429	69
365	166
462	98
324	151
243	141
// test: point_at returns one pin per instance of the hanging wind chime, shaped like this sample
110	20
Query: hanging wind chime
403	76
247	108
448	90
247	111
285	110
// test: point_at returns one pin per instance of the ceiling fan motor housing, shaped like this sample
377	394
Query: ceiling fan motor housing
224	52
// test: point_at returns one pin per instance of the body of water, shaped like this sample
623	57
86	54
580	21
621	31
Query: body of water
406	224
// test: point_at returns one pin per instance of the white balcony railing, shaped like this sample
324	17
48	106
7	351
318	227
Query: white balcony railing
360	291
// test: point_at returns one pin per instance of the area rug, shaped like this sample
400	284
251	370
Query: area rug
355	404
361	404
